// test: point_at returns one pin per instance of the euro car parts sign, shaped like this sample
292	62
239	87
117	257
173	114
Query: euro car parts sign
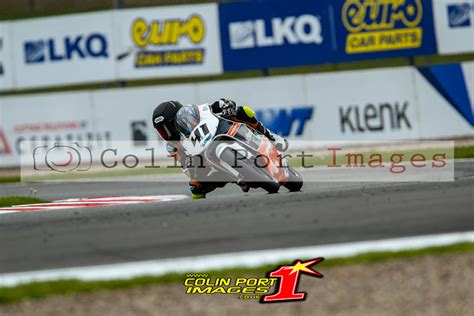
454	24
63	50
367	29
168	42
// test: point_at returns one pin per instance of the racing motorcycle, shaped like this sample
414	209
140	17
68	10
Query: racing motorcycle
233	151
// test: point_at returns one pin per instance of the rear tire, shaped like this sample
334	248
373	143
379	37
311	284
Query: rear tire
250	171
295	181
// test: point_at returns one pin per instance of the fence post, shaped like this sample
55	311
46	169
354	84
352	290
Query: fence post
118	4
33	5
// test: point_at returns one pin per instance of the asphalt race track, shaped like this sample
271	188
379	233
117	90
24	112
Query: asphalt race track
227	221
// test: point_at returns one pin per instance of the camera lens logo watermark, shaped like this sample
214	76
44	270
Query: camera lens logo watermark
62	158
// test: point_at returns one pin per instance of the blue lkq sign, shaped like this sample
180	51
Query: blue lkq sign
265	34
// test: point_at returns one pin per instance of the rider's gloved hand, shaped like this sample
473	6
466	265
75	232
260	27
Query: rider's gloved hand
280	143
224	107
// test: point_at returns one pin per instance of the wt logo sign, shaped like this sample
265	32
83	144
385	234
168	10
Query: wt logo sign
282	121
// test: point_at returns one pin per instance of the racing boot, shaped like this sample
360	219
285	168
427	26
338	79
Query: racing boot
200	189
197	190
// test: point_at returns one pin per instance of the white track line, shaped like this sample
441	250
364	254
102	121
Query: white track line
232	260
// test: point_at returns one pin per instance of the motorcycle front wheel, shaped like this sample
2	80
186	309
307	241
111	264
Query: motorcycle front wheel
295	181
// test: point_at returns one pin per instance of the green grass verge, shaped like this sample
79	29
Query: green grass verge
464	152
38	290
53	176
10	179
19	200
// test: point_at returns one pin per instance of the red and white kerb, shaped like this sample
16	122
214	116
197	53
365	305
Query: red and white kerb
91	202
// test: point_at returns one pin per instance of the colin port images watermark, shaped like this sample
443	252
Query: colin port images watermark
320	161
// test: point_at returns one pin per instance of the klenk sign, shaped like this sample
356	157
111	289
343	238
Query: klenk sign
149	35
382	117
376	26
87	46
303	29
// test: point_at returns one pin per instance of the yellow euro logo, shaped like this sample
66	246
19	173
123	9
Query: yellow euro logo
371	15
167	32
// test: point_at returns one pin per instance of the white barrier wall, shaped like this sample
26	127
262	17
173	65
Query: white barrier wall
6	64
469	75
344	109
384	104
437	117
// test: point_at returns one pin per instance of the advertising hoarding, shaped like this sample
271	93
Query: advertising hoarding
63	50
379	29
264	34
168	42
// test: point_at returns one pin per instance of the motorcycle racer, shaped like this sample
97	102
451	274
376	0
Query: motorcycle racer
164	121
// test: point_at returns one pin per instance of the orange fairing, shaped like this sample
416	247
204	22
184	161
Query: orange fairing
233	129
273	161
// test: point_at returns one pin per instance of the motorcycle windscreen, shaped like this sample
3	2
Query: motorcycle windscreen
187	119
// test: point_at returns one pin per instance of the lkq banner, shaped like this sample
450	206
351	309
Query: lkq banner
168	42
391	28
454	24
264	34
63	50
